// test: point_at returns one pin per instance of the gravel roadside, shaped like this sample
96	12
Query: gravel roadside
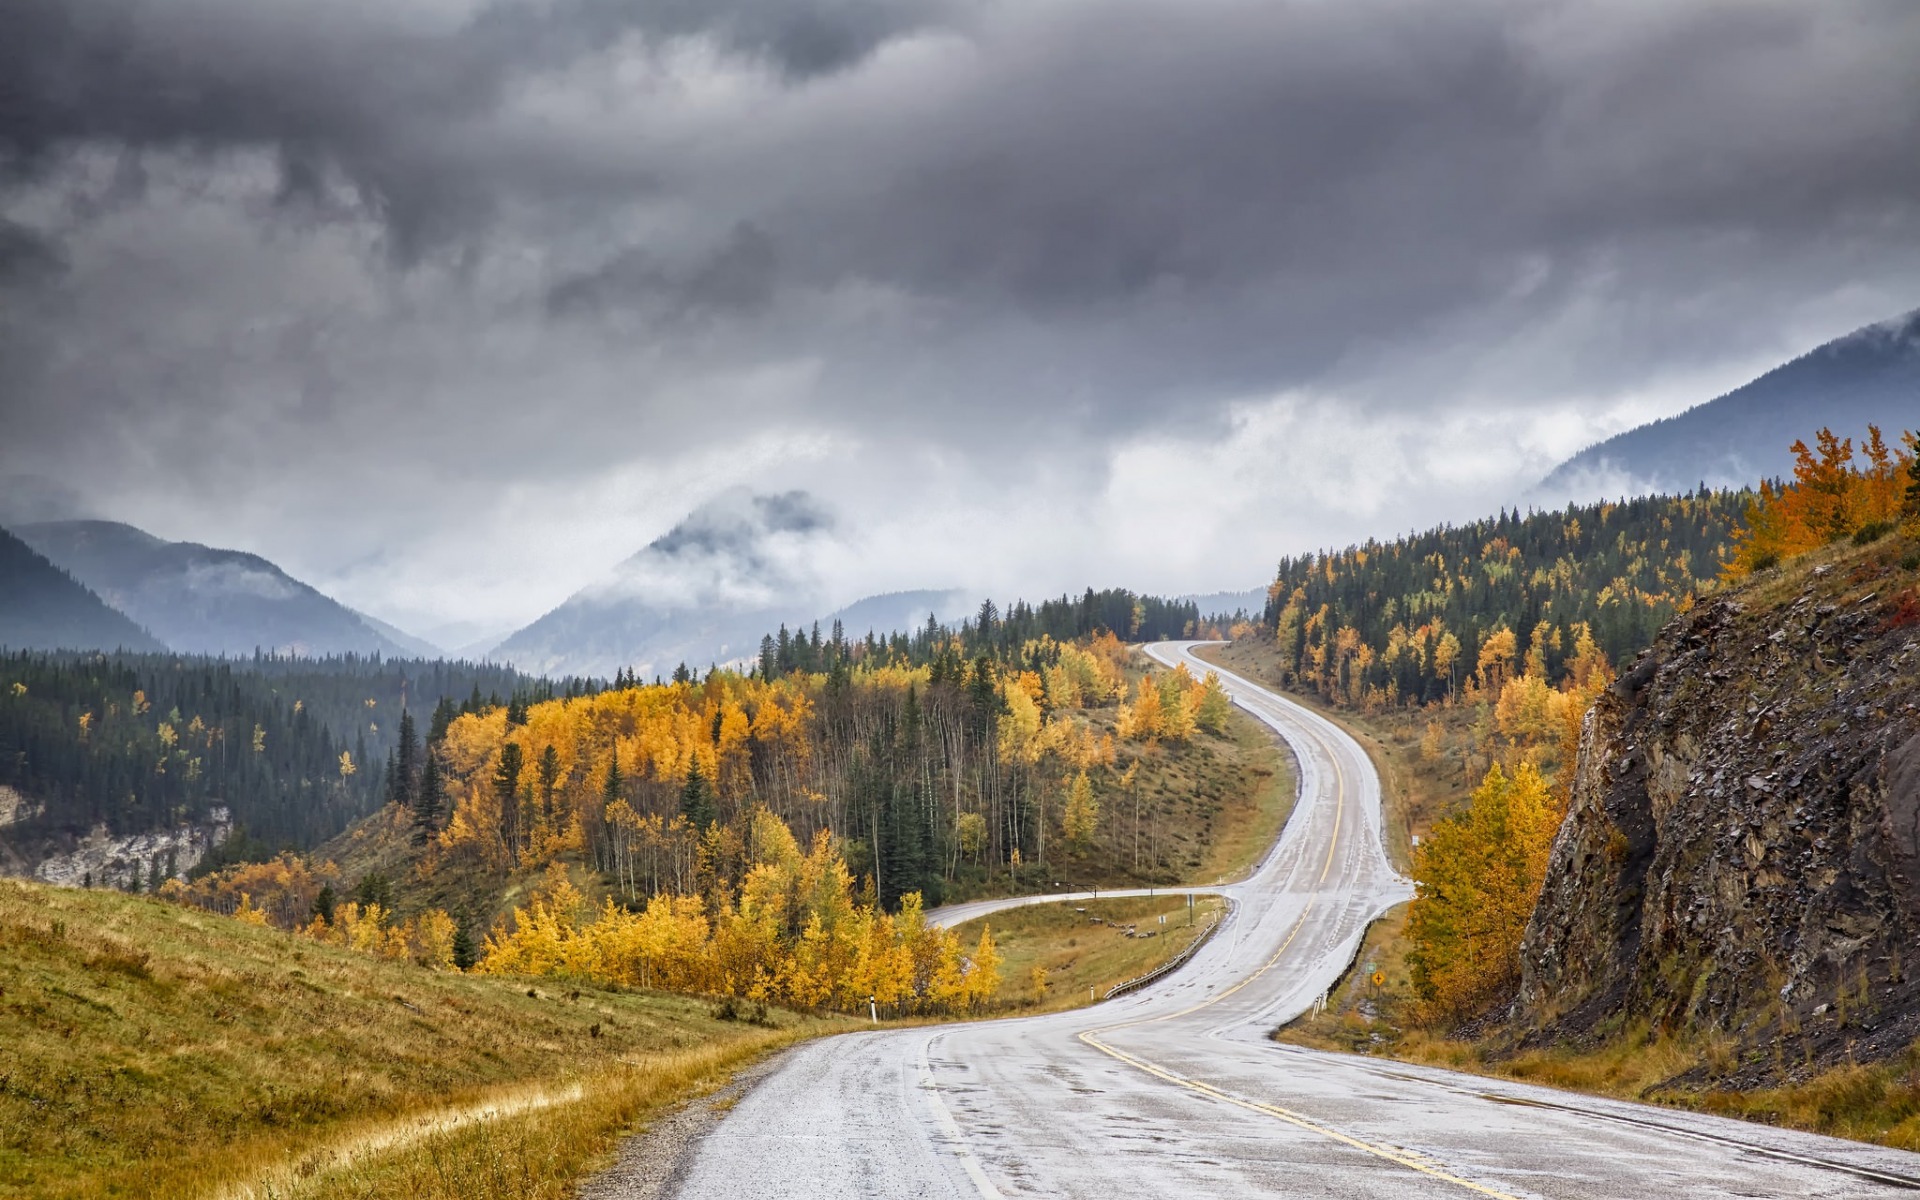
653	1161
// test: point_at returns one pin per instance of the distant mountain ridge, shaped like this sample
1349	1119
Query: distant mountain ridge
705	591
201	600
1870	376
44	608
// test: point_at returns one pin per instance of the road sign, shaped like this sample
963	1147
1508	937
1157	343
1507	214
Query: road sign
1379	979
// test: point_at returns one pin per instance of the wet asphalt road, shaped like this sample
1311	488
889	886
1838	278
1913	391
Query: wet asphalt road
1177	1090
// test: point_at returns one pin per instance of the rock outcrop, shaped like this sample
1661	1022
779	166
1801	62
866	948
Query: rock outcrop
100	859
1742	852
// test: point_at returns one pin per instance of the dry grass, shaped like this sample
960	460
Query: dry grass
1079	954
532	1145
158	1051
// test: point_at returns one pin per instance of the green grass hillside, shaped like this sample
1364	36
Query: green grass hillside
159	1051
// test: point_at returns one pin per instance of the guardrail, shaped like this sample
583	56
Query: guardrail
1173	964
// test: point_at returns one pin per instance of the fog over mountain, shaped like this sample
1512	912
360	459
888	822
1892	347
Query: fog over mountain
1869	377
199	600
704	592
445	306
44	608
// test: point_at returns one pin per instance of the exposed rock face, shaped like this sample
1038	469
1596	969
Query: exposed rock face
103	860
15	808
1742	852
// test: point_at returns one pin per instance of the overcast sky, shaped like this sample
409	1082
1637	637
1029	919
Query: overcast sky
447	306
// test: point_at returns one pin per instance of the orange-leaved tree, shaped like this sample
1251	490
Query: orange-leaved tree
1829	498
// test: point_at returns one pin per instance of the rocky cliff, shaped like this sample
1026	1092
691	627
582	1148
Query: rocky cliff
1742	853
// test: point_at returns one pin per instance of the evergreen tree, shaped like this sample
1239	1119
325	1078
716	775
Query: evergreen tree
506	790
549	781
404	779
615	784
443	715
696	799
323	904
373	888
430	804
464	953
1912	506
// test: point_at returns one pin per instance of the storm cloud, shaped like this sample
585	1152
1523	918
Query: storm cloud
464	302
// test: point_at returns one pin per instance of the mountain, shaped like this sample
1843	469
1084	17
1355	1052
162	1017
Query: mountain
200	600
704	592
44	608
900	612
416	647
1870	376
1225	604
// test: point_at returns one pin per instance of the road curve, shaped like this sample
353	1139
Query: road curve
1177	1091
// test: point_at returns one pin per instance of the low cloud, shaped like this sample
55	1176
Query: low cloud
447	306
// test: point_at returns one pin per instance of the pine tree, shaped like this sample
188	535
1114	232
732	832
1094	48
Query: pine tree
549	781
404	770
464	955
615	784
430	804
323	904
506	790
1912	505
443	714
696	799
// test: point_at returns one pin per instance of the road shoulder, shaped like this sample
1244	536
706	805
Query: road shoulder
654	1162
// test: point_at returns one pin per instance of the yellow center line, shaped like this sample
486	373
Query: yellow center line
1391	1154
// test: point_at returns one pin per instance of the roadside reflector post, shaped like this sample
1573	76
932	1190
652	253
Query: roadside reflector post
873	1009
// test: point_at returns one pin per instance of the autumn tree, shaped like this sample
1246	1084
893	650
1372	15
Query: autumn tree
1476	878
1214	708
1082	813
1829	498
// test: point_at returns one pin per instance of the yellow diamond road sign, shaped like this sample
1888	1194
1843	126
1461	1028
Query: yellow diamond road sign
1379	979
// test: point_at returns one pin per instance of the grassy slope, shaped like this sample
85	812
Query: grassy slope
159	1051
1079	953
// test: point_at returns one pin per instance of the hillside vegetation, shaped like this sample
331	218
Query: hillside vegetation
158	1051
289	747
777	841
1424	617
1722	919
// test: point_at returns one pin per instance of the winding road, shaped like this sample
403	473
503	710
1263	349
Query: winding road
1177	1090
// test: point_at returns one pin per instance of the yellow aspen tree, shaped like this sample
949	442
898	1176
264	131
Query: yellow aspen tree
983	977
1082	814
1214	708
1148	719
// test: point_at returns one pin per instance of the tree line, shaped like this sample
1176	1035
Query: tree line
1833	495
1409	621
289	747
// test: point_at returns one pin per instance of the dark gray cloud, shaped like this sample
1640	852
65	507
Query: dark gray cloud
450	258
